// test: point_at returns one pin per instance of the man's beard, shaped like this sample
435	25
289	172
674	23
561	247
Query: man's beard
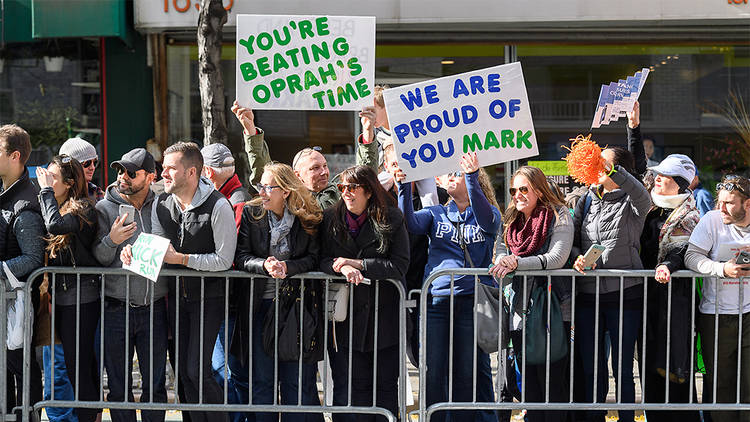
737	216
130	190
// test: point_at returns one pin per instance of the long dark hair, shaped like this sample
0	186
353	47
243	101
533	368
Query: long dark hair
77	201
377	205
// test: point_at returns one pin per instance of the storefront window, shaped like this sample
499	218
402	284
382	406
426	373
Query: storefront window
680	104
52	99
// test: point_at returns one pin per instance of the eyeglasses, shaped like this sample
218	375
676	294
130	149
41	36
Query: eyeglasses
121	170
350	186
303	152
456	174
523	189
733	182
267	188
89	163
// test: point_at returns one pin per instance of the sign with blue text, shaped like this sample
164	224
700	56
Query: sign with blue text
148	255
435	122
290	62
618	98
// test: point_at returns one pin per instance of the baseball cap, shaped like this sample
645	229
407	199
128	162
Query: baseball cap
217	155
676	165
134	160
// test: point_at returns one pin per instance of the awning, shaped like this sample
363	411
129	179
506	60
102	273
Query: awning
79	18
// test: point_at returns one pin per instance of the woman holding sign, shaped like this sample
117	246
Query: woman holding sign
71	222
611	215
365	240
277	239
462	235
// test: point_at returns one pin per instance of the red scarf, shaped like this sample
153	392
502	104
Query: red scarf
526	237
230	186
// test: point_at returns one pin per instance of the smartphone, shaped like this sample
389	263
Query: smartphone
130	210
592	255
743	258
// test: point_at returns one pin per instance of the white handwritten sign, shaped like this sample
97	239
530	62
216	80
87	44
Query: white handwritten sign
435	122
148	255
293	62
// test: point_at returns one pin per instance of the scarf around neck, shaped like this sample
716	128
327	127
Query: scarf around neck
280	228
669	201
675	233
355	222
526	237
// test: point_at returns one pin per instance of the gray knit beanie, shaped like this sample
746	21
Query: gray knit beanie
79	149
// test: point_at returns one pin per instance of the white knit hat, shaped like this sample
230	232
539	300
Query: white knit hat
78	149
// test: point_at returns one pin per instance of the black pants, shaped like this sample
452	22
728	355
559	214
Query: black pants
536	380
386	387
678	393
14	376
87	376
192	371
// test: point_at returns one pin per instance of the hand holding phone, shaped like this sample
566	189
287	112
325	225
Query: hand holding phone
130	211
586	262
592	255
743	258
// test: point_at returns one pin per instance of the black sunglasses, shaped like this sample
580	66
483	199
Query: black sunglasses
734	182
121	170
89	163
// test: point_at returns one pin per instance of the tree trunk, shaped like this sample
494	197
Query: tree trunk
211	19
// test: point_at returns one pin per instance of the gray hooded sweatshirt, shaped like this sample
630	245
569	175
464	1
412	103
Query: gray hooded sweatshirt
108	253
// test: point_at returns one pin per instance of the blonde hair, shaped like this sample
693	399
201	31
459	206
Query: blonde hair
378	93
538	183
300	201
486	185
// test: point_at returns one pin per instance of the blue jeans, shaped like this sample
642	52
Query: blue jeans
236	383
118	362
464	352
63	388
608	321
263	372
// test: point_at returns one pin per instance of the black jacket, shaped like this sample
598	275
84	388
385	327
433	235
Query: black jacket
79	251
378	266
16	200
253	244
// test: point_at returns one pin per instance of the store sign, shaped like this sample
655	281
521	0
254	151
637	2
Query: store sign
156	15
435	122
305	62
557	171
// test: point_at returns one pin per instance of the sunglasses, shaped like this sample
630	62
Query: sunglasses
733	182
89	163
265	188
302	153
350	186
523	189
120	171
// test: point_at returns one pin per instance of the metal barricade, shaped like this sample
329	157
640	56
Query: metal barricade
202	404
526	280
